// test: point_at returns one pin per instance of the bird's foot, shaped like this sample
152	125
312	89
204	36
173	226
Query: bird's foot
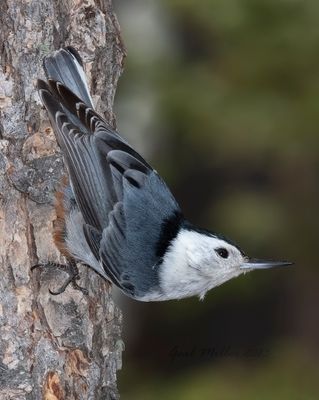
71	269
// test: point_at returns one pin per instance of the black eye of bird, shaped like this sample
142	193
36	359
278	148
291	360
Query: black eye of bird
222	252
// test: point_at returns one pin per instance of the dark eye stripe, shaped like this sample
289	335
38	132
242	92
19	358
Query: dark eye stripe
222	252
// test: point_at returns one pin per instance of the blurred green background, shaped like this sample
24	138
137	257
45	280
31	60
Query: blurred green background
222	97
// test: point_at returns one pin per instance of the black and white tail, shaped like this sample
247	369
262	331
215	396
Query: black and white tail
66	66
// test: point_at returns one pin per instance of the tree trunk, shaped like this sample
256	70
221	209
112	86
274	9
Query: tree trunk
51	347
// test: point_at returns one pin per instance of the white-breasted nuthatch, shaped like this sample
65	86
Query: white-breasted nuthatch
116	214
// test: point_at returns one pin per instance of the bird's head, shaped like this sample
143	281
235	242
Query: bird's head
199	261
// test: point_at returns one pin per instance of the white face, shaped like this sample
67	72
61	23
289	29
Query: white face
212	256
196	263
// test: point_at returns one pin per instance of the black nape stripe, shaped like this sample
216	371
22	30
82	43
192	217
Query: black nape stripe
169	230
190	227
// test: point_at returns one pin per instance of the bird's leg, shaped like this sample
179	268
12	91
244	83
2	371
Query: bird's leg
71	269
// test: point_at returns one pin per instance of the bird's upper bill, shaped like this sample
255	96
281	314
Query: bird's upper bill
263	264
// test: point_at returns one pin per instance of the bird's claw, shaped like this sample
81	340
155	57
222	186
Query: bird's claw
72	270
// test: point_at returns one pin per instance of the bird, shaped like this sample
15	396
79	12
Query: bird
115	213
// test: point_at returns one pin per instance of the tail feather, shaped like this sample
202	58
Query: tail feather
65	66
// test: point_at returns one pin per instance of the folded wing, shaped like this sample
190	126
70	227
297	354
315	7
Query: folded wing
125	204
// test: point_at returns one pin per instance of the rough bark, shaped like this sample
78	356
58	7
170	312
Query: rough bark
51	347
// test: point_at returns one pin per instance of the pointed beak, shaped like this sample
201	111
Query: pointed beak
263	264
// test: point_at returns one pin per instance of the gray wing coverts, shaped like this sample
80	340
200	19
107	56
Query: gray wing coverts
122	199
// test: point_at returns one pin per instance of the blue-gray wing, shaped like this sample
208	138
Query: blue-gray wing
129	213
140	228
85	139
